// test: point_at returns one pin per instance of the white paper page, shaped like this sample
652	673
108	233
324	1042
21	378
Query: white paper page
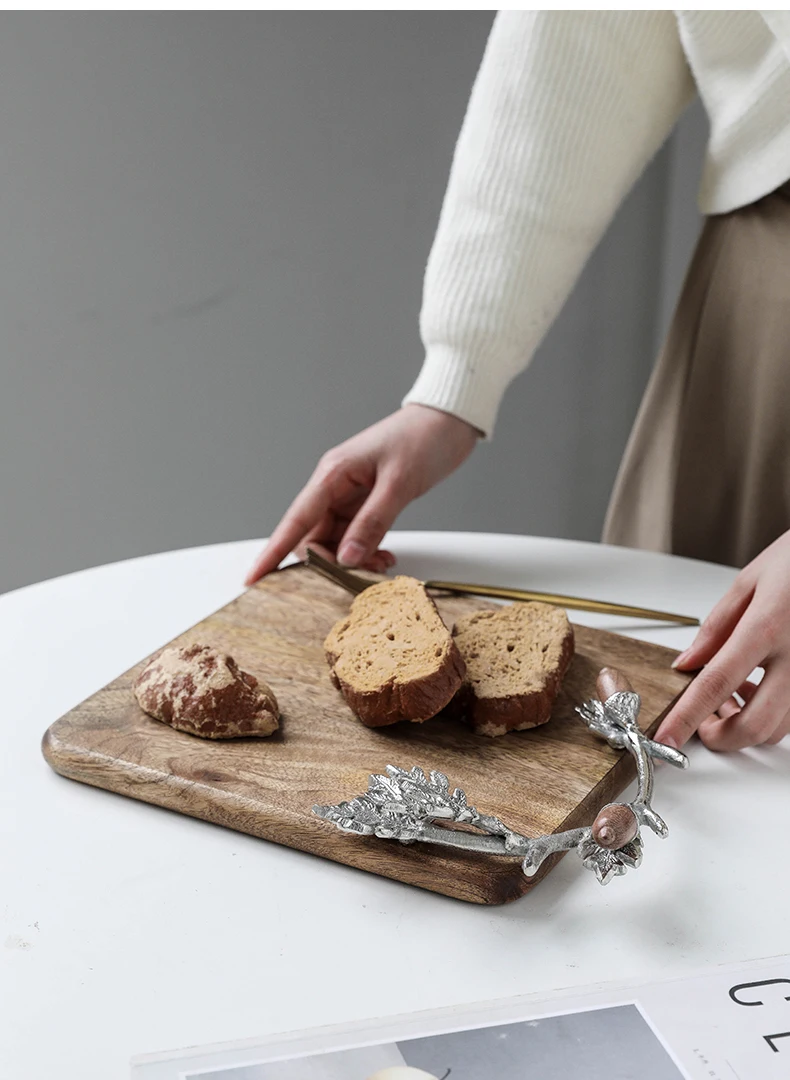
721	1029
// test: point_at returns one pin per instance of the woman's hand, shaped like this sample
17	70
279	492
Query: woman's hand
748	628
360	487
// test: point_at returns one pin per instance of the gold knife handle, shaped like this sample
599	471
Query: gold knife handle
575	603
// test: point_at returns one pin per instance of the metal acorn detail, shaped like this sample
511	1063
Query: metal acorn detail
403	805
615	826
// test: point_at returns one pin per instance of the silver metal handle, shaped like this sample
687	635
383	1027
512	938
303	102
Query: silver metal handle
404	804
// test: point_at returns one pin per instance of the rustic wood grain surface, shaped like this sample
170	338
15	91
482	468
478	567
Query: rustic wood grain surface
550	778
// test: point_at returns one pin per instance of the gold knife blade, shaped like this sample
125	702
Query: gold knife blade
576	603
355	583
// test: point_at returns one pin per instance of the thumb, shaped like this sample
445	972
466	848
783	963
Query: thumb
376	515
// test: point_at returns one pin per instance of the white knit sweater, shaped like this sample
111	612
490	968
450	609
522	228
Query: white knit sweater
567	109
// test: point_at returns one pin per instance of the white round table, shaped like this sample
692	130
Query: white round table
128	929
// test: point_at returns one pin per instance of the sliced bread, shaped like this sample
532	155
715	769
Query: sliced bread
515	659
392	657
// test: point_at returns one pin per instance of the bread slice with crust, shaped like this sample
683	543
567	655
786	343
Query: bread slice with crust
392	657
515	659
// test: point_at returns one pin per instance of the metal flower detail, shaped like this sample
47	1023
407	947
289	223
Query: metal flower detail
606	863
405	805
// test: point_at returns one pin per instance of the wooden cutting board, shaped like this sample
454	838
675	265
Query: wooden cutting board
551	778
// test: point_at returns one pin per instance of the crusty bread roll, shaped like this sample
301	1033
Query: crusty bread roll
204	692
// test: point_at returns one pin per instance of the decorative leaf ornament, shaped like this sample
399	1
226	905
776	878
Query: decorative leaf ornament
407	805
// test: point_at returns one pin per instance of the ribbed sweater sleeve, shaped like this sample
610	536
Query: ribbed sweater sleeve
567	109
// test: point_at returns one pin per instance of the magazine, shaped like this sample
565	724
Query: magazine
726	1023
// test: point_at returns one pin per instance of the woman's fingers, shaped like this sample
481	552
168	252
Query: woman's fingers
717	627
330	535
327	553
367	530
746	691
781	732
331	485
728	709
734	704
731	707
379	562
363	484
761	720
742	652
304	513
295	525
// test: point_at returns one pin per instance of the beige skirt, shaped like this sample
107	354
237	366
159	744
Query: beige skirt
706	472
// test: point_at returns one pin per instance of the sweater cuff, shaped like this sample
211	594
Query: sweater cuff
467	388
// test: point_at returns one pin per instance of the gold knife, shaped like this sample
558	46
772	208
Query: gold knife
354	583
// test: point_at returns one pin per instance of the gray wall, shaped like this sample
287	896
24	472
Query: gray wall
214	228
